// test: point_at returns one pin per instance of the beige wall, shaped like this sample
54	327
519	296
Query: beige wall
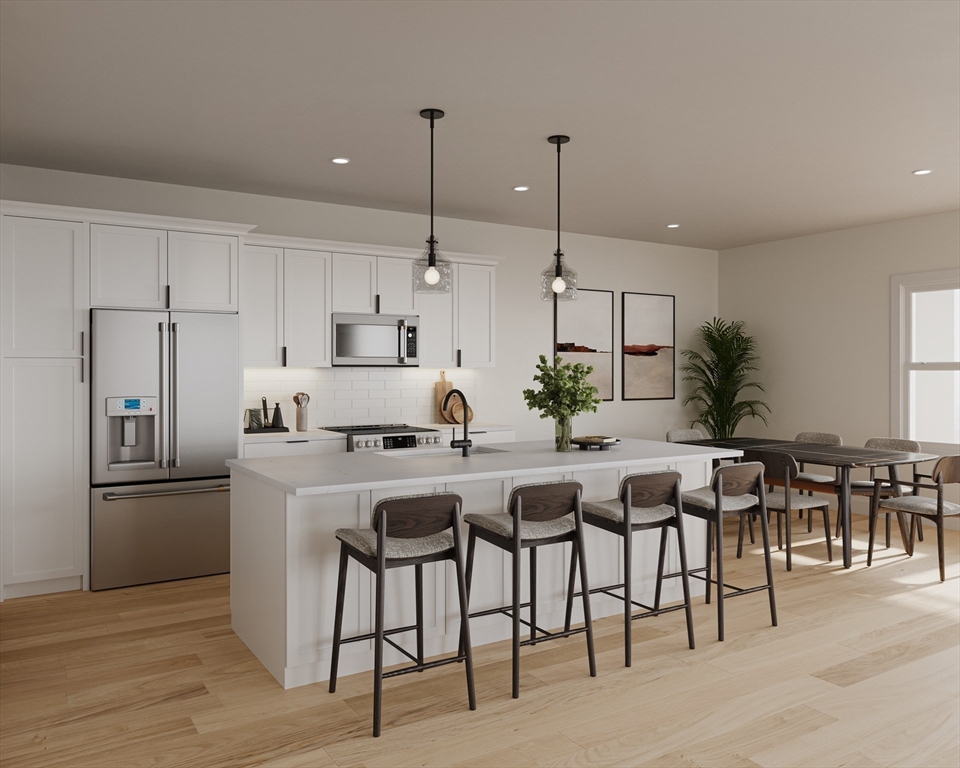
523	321
820	308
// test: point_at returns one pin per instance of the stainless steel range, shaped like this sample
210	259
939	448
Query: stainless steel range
372	438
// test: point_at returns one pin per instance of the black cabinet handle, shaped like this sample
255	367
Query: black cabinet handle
168	297
283	356
459	358
377	304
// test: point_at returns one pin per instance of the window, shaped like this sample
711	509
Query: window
925	357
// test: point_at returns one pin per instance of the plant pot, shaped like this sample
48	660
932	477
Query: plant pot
564	429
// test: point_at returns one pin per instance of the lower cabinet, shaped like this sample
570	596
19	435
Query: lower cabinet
293	447
44	475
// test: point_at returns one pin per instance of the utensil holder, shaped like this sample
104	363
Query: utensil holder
302	419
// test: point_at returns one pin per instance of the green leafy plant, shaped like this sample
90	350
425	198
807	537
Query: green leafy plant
720	374
564	392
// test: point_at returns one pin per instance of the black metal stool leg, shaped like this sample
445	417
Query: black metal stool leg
338	619
468	577
533	593
571	586
750	525
709	560
719	527
627	597
743	524
685	580
585	587
465	644
418	569
516	618
378	641
768	561
661	560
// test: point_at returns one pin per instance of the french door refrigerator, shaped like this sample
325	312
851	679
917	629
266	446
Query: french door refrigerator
164	417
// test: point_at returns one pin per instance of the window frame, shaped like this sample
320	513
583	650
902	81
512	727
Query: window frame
902	289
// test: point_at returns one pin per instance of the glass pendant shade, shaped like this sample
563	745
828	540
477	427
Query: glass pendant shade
561	282
432	272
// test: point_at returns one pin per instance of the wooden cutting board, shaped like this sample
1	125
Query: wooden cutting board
440	389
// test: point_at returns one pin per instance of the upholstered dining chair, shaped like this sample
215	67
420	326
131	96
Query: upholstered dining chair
865	487
945	472
683	435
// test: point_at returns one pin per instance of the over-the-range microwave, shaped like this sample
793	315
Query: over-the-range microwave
381	340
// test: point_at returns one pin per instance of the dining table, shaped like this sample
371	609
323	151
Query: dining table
844	458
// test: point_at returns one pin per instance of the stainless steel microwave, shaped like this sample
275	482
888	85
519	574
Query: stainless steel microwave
379	340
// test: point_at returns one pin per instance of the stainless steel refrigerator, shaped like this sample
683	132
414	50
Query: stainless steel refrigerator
164	418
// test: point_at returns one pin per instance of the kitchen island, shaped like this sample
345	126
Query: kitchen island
284	554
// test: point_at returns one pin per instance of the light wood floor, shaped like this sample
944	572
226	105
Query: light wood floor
862	671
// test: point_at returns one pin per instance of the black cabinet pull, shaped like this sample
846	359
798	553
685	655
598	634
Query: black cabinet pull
459	358
283	356
377	304
168	297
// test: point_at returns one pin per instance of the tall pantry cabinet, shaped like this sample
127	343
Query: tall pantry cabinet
44	402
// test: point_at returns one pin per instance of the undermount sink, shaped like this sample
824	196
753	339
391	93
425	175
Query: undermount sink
433	453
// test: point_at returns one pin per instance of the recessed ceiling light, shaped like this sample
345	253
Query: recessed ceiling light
340	160
922	172
672	226
520	189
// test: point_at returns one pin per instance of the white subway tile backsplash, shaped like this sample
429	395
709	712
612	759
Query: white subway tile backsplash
353	395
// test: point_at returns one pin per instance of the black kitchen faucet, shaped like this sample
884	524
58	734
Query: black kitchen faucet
466	443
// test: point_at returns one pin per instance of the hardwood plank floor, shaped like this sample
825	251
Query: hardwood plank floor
864	670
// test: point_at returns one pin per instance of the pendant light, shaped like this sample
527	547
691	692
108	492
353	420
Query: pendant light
558	282
432	272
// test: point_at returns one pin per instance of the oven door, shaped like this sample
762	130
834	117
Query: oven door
379	340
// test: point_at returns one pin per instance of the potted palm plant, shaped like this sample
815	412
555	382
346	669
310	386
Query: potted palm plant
564	392
720	373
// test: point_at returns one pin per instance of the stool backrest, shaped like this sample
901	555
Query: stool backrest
893	444
649	489
947	469
545	501
413	517
779	465
738	479
680	435
820	438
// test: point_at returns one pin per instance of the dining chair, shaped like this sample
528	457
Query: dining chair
783	465
684	435
865	487
813	481
945	472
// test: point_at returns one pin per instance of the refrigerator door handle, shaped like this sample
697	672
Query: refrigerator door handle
164	356
175	394
121	496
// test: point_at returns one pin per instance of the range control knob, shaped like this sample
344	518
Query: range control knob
376	443
368	444
436	440
420	441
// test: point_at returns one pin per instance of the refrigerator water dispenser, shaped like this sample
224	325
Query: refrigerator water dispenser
131	431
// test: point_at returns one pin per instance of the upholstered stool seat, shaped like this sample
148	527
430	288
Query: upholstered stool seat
502	525
365	540
612	509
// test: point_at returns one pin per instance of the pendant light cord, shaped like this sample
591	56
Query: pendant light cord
558	201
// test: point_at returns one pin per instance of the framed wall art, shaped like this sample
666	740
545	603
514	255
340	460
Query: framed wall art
648	361
585	335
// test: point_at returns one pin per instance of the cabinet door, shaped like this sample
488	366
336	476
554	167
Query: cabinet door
395	286
306	308
43	470
203	271
438	328
261	306
354	283
476	327
44	284
128	267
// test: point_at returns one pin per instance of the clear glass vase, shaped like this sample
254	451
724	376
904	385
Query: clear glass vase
564	432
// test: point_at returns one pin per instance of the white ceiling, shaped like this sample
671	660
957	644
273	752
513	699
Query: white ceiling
742	121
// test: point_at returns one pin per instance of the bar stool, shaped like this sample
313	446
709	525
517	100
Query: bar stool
538	514
406	530
735	490
645	501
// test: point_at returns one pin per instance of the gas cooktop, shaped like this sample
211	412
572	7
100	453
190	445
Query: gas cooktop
388	437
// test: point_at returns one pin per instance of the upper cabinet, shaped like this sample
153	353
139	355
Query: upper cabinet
476	316
373	284
438	326
154	269
44	276
285	300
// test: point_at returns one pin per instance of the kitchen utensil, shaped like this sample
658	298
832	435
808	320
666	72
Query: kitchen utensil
266	413
277	421
440	389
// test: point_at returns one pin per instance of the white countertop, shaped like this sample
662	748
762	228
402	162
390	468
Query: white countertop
340	473
478	426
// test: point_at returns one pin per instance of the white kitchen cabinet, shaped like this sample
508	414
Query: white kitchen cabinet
44	475
203	271
354	283
128	267
395	286
44	280
293	447
438	326
261	306
307	300
144	268
476	316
